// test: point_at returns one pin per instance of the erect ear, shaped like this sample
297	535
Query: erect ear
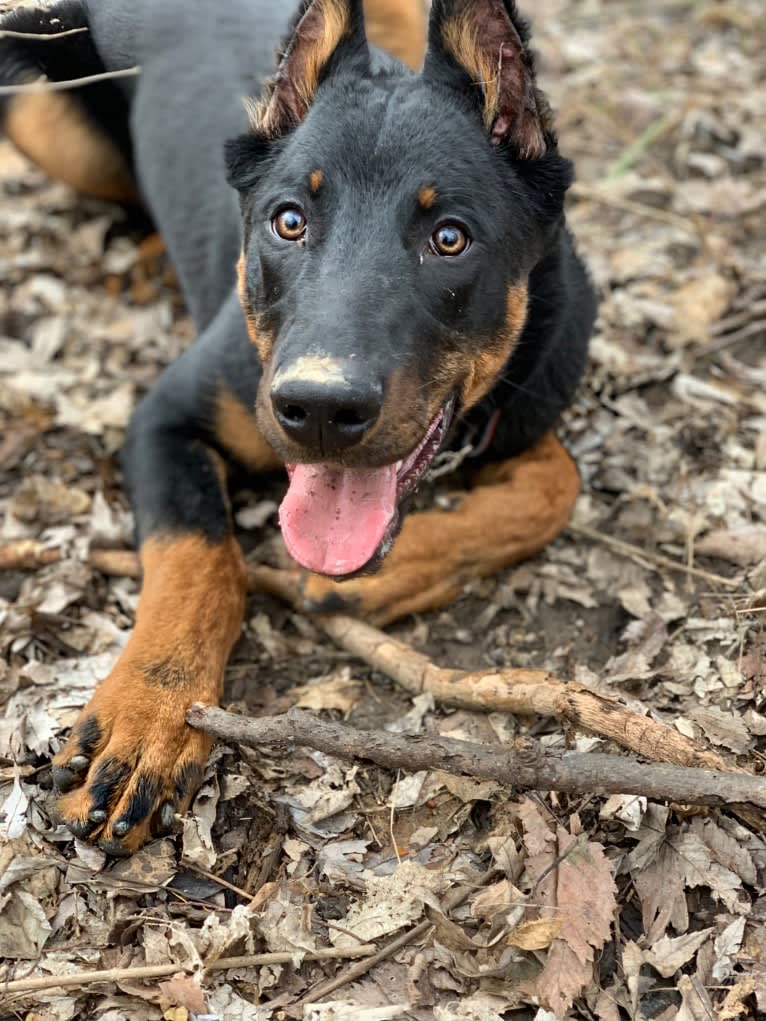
481	48
324	32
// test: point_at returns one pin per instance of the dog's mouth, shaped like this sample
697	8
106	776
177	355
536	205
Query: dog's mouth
337	521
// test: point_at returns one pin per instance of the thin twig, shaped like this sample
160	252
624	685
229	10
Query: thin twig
216	879
586	194
43	37
741	317
356	971
45	85
755	329
87	978
638	147
527	765
453	900
653	559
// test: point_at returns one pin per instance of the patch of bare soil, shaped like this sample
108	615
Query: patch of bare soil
545	906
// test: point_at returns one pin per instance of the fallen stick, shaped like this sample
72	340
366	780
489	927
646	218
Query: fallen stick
652	560
84	978
520	691
526	765
31	555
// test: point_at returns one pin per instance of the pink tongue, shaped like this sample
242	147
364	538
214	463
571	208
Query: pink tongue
334	519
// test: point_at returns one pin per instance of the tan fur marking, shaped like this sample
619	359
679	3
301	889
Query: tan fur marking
460	39
516	308
237	431
489	362
317	35
335	24
399	27
315	181
427	197
311	369
259	338
52	132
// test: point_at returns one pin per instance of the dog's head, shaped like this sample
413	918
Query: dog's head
390	224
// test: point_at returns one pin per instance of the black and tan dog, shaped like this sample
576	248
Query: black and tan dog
405	282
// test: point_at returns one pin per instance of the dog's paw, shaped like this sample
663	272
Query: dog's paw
131	764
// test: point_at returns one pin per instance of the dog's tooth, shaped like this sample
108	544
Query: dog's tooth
399	465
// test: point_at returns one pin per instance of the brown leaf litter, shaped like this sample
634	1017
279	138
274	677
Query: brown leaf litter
480	905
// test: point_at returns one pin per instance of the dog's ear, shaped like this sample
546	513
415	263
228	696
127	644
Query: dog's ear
481	47
324	34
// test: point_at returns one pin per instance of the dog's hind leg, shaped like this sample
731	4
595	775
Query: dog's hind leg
80	135
516	508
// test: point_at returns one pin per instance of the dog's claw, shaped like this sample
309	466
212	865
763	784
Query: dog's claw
82	828
64	779
68	776
167	818
114	848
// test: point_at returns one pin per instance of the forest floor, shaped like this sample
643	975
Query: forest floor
576	907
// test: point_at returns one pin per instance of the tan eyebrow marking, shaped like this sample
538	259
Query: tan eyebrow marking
315	180
426	196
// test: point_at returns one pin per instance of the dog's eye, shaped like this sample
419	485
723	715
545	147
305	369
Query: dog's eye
449	239
289	223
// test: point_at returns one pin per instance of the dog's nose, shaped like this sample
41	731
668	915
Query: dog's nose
326	415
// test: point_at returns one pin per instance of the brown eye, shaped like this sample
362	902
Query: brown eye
449	239
289	223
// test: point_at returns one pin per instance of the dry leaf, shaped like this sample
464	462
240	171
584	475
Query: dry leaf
388	903
726	945
698	304
725	729
336	691
535	935
579	893
668	955
13	811
24	929
733	1007
744	545
221	939
695	1005
335	1010
183	991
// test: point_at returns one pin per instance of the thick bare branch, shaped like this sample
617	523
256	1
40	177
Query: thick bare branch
526	765
520	691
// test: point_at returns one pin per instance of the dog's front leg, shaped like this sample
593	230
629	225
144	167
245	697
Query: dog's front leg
515	509
131	763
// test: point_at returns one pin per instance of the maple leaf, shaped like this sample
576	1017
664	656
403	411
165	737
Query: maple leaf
580	894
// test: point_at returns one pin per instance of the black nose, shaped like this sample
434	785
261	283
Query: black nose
326	415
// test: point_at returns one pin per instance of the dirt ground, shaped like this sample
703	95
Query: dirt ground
539	905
